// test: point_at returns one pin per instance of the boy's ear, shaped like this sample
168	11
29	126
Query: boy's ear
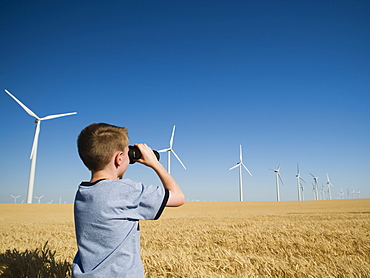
118	158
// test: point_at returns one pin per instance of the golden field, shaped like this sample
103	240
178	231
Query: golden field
221	239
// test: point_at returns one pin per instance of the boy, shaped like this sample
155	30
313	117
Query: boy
107	209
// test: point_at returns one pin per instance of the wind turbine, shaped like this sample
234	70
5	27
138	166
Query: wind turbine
278	176
169	150
240	164
302	192
15	198
39	198
299	186
315	187
35	142
358	192
341	194
314	191
322	193
329	184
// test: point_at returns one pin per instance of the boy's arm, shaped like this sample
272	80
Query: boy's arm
177	197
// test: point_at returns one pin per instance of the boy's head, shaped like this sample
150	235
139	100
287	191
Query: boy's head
97	144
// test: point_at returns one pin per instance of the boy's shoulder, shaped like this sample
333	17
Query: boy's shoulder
108	181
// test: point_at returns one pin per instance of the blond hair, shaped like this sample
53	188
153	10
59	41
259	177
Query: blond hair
98	142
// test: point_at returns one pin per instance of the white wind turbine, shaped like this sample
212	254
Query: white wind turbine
240	164
358	192
35	142
169	150
278	176
329	184
315	187
15	198
39	198
302	192
299	186
341	194
322	193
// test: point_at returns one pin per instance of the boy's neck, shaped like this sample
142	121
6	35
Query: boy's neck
101	175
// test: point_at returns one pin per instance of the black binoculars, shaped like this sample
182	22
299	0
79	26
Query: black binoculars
134	154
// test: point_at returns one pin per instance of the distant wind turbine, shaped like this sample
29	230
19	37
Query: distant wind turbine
39	198
341	194
358	192
278	176
322	192
15	198
169	151
240	164
315	187
329	184
35	142
299	186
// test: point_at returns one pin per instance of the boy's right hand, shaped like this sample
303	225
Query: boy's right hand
176	196
148	157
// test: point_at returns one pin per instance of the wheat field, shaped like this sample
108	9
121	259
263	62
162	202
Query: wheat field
220	239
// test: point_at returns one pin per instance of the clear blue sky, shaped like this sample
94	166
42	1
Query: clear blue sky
289	80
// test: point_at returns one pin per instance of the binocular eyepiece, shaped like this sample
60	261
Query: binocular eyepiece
134	154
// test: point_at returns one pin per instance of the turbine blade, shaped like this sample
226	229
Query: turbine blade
298	169
164	150
280	178
29	111
57	116
178	159
234	166
246	169
173	134
241	154
35	139
328	177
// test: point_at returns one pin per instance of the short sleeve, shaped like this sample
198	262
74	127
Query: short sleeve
147	203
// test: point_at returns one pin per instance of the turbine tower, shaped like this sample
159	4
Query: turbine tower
38	120
278	176
329	184
315	187
15	198
299	186
240	164
169	151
